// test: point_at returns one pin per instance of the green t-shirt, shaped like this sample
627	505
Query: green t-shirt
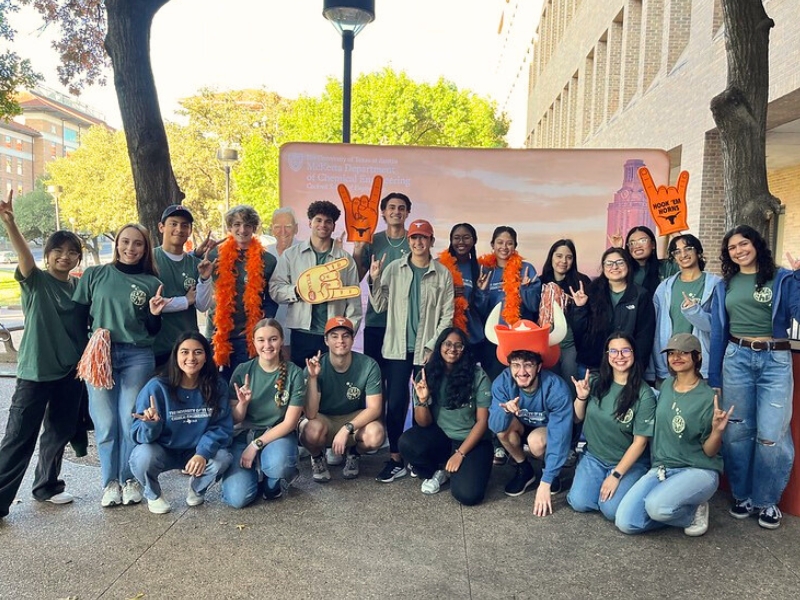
56	327
638	277
458	422
749	311
683	424
382	248
119	302
239	315
319	312
343	393
693	289
414	293
609	437
267	409
616	297
178	278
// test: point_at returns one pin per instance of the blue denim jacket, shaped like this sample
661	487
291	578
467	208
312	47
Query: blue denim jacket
785	307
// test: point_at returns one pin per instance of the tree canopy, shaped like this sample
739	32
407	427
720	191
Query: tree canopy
15	72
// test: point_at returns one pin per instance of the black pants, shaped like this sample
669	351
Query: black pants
429	448
305	345
398	376
54	403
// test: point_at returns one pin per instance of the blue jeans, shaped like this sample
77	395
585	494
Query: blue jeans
651	503
277	460
148	461
757	443
111	409
584	496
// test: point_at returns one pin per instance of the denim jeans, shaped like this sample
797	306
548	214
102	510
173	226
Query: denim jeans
111	409
652	503
759	386
148	461
277	460
584	496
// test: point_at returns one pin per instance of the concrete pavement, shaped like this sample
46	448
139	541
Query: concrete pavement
364	539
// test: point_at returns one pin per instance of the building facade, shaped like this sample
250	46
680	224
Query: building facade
50	127
642	73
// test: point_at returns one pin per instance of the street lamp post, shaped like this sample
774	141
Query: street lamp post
348	17
227	157
55	192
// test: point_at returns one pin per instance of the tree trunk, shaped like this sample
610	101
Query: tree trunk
128	44
740	113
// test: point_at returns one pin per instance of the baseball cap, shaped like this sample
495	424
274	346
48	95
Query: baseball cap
682	342
420	227
339	323
176	210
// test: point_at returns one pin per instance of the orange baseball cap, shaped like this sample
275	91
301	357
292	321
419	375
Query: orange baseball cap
339	322
420	227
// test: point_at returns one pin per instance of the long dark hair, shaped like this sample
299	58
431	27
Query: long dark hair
765	264
459	380
600	293
473	255
147	261
573	276
208	378
630	391
651	276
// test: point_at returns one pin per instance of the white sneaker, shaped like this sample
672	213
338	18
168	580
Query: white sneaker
193	498
159	506
131	492
435	483
61	498
112	495
332	458
700	522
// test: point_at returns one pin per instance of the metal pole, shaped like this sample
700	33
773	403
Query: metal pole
347	46
227	188
58	216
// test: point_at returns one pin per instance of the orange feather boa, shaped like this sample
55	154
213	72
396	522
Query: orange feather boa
512	279
460	304
226	297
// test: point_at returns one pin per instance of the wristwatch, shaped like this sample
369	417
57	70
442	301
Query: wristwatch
350	428
616	474
258	443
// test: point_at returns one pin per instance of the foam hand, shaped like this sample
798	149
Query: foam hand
324	282
667	203
361	212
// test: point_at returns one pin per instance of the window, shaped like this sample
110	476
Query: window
52	150
19	166
8	141
8	164
19	144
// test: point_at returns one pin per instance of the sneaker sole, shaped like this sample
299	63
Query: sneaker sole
349	475
398	475
766	525
130	502
158	511
110	504
524	489
59	502
195	502
321	479
741	516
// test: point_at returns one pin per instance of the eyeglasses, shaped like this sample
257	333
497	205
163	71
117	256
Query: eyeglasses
516	366
457	346
678	353
640	242
611	264
69	253
684	250
462	239
625	352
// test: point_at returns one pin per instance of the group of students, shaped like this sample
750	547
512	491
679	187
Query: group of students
665	369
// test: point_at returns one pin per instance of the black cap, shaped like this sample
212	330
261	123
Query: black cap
176	210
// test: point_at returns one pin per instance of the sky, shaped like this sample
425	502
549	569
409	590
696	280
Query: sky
290	48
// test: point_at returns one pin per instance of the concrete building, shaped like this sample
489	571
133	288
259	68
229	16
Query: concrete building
50	127
642	73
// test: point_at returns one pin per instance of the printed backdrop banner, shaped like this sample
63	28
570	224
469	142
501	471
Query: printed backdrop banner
585	195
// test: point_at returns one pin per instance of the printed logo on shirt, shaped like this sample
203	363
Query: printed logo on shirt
630	306
282	398
627	417
353	393
678	424
138	295
763	296
190	415
188	282
532	418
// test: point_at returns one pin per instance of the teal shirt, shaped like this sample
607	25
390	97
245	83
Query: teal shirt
268	407
56	327
319	312
608	437
119	302
412	324
457	423
178	278
388	250
343	393
749	311
683	424
693	289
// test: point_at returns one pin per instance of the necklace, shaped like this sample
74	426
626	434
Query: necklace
400	243
678	422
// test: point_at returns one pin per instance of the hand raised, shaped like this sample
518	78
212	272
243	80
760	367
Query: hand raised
578	297
313	365
244	394
688	301
376	267
421	388
794	264
361	212
720	419
208	244
667	203
6	209
526	278
324	282
149	415
206	267
158	302
512	406
582	387
483	279
616	240
191	295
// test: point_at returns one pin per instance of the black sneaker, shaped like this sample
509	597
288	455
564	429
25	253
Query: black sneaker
742	509
770	517
391	470
556	487
273	493
524	477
